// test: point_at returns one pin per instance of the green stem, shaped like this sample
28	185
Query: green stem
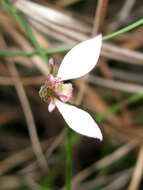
62	50
125	29
4	53
27	29
134	98
68	158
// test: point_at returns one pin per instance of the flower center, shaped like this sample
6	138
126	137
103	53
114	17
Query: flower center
53	87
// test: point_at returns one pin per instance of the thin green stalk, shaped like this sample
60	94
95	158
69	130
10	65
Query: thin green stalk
27	29
4	53
68	158
62	50
125	29
132	99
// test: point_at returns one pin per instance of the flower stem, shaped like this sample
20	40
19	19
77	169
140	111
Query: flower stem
68	158
7	53
62	50
125	29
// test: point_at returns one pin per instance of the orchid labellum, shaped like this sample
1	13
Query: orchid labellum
79	61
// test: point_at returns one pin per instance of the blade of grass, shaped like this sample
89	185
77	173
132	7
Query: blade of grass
27	29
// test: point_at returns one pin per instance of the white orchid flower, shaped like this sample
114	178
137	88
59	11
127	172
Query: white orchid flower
79	61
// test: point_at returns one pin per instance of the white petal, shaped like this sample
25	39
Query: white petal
52	105
79	120
81	59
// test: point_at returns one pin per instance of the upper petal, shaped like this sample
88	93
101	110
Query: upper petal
81	59
79	120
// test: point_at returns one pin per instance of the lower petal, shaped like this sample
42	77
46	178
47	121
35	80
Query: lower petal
79	120
52	105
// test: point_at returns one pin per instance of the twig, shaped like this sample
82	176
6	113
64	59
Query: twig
114	181
99	16
65	3
27	30
122	16
100	108
10	182
122	86
128	76
23	43
10	115
28	115
25	80
27	111
113	157
46	30
115	52
31	183
137	175
18	158
106	71
56	141
120	182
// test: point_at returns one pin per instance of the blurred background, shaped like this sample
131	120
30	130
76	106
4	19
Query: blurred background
32	140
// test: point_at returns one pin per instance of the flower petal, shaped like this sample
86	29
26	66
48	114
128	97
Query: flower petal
81	59
64	91
79	120
51	81
52	105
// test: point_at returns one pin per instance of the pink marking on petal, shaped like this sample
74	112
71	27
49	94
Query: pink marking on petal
64	98
52	105
51	80
64	91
